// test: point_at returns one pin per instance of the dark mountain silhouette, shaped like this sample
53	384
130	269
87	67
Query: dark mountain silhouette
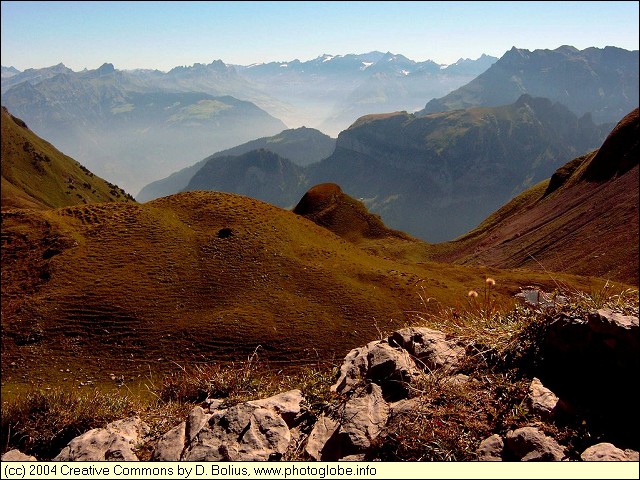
583	220
302	146
603	82
37	175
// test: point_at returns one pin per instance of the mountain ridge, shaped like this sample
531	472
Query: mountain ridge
438	176
603	81
302	146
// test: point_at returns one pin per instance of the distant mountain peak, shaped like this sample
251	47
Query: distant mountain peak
603	82
326	57
105	68
567	48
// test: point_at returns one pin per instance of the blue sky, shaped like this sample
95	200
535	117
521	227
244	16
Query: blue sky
163	35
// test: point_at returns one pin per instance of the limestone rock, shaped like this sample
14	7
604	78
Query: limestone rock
16	455
607	452
530	444
430	347
322	443
286	404
116	442
380	363
250	431
348	436
365	415
171	444
542	400
491	449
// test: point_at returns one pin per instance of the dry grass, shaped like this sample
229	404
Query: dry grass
446	423
42	422
138	287
450	419
37	175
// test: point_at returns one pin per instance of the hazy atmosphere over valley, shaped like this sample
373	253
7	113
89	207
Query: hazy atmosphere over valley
320	231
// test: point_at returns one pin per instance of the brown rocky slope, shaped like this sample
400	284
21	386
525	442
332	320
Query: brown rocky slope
584	220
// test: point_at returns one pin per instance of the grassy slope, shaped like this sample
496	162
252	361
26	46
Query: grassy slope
581	224
129	288
37	175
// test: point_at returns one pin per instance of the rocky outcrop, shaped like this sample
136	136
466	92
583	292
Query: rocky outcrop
116	442
523	444
491	449
613	337
351	429
372	392
380	363
16	455
530	444
430	348
607	452
395	361
542	400
250	431
590	362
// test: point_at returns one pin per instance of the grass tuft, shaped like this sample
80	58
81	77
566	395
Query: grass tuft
43	421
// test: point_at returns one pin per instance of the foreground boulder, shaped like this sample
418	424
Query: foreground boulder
591	363
250	431
523	444
380	363
607	452
542	400
349	432
16	455
430	348
395	362
116	442
530	444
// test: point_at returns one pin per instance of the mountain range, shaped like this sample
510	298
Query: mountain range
580	220
219	275
433	176
330	92
302	146
123	130
602	82
138	126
